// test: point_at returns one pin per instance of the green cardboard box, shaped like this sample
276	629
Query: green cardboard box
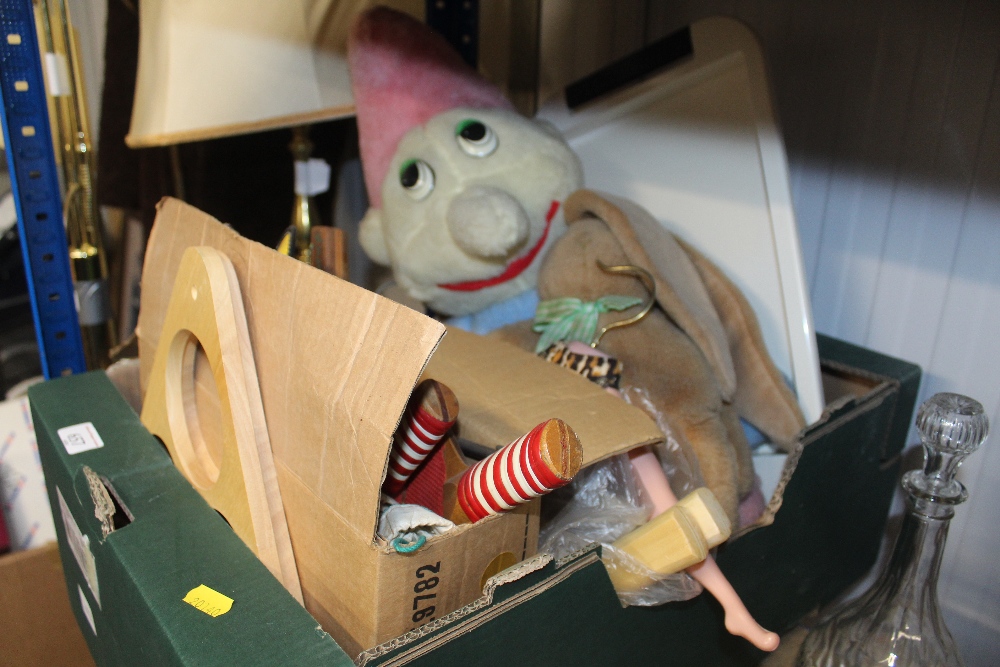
136	540
153	540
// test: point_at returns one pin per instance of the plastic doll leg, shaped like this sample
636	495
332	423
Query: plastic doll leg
738	619
739	622
650	476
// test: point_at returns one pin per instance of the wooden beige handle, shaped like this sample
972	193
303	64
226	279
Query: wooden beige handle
674	540
705	512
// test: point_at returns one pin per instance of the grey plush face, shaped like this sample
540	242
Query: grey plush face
471	202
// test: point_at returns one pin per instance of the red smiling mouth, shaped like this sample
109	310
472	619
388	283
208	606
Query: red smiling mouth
515	268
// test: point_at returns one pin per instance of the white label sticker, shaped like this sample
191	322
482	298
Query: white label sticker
57	69
312	177
87	611
80	438
79	544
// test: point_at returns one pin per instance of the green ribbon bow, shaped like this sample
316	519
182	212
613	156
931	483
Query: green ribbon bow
573	319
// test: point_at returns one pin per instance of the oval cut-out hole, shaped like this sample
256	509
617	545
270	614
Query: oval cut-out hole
203	414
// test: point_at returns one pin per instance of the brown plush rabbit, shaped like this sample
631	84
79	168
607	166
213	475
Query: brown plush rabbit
698	356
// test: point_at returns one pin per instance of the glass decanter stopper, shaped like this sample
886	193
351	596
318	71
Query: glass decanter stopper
898	623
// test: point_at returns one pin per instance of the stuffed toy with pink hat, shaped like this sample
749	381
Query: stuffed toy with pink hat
469	204
466	194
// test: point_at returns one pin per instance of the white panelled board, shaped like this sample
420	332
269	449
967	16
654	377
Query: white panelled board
697	146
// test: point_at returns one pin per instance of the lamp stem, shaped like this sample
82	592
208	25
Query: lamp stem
177	172
304	216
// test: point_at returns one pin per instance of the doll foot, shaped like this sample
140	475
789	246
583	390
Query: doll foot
743	625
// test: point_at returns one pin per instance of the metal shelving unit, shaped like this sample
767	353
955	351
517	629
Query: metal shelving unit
35	184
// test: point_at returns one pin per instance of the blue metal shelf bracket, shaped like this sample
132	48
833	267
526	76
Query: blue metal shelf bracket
35	184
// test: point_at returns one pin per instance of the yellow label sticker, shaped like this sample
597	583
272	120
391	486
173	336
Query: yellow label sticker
209	601
13	38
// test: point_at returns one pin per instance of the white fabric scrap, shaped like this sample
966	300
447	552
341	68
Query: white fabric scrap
409	522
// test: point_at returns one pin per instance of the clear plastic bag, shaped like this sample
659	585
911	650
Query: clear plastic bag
604	502
679	464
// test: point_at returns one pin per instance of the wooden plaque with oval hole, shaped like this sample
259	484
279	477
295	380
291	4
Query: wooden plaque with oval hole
228	461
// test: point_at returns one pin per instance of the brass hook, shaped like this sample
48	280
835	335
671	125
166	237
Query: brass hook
647	281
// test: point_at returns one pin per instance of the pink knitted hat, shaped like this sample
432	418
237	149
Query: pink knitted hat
403	74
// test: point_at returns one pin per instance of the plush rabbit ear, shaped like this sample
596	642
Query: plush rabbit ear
679	288
402	75
763	397
371	236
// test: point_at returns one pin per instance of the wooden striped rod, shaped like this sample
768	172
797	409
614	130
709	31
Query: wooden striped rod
542	460
433	410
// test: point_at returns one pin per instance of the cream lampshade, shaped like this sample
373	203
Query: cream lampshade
214	68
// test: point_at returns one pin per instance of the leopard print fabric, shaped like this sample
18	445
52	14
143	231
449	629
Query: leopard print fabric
604	371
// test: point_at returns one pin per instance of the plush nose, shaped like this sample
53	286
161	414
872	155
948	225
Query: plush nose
488	223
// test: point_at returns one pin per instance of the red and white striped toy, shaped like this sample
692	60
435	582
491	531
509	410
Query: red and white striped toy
432	411
543	460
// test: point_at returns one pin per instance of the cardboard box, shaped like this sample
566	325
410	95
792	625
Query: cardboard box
37	628
825	536
139	546
336	365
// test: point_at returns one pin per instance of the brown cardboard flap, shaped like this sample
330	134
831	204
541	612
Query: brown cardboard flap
336	363
504	392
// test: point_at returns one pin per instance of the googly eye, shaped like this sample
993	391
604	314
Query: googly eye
417	179
476	138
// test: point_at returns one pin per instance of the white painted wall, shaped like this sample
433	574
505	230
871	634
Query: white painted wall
891	116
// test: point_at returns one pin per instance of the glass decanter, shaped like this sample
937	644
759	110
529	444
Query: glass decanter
898	623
